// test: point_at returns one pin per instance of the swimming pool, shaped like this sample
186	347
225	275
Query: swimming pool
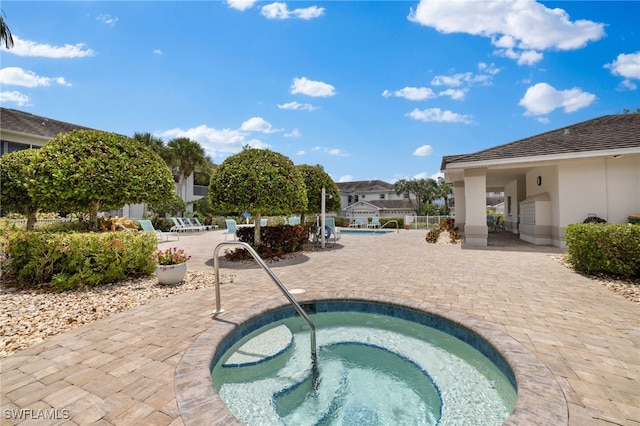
365	231
539	396
378	364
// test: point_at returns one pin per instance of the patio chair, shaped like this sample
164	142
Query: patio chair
193	226
178	225
206	227
357	223
375	222
232	227
331	224
263	222
293	220
147	226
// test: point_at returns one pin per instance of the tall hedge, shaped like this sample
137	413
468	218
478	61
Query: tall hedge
608	248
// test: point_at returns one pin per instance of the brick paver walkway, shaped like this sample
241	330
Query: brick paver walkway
121	370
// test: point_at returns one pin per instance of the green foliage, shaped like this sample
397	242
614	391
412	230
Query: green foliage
17	172
275	241
171	207
257	181
608	248
315	178
88	170
70	260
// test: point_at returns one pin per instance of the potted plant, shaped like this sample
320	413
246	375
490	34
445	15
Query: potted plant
171	265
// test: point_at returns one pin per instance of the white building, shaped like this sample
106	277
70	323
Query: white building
551	180
371	198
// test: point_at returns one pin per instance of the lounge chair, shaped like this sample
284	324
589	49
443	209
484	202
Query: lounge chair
147	226
375	222
178	225
193	226
293	220
232	227
357	223
197	222
330	223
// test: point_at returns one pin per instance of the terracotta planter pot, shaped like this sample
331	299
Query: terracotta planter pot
171	274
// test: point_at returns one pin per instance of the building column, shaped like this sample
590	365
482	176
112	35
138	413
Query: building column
475	192
460	207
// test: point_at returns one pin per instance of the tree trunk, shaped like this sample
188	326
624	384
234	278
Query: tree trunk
32	217
93	215
256	231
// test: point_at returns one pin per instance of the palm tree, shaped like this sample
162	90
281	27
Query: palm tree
188	156
5	33
156	144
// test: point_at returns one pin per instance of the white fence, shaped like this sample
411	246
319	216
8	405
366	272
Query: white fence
423	222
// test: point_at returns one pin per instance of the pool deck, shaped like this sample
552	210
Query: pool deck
121	370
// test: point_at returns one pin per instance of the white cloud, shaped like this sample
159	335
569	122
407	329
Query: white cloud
31	48
437	115
423	151
529	57
216	143
14	97
626	65
14	76
280	10
257	124
517	28
345	178
337	152
241	4
297	106
455	94
107	19
158	52
300	153
542	98
627	85
295	133
312	88
411	93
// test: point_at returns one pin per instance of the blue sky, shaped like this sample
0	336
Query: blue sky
368	89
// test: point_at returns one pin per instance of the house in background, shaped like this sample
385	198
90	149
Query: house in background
551	180
21	130
370	198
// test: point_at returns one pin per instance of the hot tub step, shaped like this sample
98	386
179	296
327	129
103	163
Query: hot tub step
262	348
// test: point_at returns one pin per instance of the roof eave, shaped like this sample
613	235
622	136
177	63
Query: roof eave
24	136
543	158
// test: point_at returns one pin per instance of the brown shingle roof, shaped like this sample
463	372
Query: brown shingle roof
364	186
603	133
30	124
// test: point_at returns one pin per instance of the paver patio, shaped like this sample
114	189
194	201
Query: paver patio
121	370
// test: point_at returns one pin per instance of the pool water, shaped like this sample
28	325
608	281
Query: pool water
374	369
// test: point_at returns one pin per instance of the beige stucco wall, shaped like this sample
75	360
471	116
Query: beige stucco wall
608	187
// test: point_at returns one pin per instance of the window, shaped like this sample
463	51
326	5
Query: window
382	196
509	205
406	195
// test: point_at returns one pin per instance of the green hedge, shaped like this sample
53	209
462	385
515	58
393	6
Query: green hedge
609	248
69	260
276	240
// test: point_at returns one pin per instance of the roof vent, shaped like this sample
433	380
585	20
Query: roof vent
567	132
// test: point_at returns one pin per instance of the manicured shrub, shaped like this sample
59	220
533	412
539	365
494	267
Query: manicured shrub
275	241
433	235
70	260
608	248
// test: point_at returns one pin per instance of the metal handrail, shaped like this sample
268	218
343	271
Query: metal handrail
296	305
388	222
